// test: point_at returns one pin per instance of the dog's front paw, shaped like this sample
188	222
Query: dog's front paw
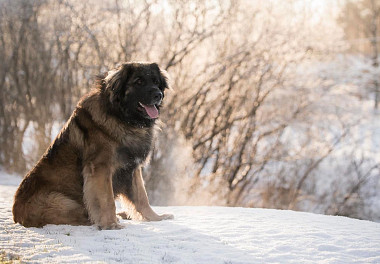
149	215
109	222
112	226
166	216
125	216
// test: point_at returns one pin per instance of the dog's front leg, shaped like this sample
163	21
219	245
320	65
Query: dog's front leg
140	199
98	195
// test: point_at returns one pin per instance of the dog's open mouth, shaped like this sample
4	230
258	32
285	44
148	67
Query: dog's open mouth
151	110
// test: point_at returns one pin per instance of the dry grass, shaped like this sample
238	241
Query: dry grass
8	258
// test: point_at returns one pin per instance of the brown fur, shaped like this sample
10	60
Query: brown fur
96	158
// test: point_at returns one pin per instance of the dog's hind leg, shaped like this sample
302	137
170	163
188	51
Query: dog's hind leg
53	208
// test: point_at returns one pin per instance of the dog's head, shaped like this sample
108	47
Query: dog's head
135	91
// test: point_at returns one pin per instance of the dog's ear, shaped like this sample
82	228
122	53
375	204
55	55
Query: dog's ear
164	76
116	80
166	79
100	82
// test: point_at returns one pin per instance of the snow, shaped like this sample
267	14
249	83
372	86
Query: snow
196	235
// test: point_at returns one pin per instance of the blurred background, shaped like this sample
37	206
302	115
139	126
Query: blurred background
275	103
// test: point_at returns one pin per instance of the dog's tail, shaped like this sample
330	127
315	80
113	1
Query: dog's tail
24	192
18	211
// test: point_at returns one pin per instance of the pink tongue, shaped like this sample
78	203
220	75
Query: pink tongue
151	110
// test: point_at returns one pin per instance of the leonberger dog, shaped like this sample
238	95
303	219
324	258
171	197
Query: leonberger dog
98	155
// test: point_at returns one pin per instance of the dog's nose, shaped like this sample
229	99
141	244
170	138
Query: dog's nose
157	96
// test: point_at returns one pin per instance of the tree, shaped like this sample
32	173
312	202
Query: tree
361	22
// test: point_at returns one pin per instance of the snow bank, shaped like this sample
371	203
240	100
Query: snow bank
196	235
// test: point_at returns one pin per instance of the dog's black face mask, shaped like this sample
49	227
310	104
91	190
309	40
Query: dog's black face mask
137	91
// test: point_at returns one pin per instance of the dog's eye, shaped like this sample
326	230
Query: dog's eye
155	81
138	81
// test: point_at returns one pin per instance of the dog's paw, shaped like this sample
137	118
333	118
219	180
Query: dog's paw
124	216
112	226
166	217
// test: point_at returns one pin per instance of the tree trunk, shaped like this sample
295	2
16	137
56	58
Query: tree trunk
374	43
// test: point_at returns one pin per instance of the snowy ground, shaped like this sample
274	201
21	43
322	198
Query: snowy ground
196	235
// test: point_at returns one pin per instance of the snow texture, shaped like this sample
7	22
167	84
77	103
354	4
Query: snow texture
196	235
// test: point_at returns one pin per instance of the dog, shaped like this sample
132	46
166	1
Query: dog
98	155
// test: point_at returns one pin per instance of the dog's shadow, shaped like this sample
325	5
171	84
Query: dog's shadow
169	241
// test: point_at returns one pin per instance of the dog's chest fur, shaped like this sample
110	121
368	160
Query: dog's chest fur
134	152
